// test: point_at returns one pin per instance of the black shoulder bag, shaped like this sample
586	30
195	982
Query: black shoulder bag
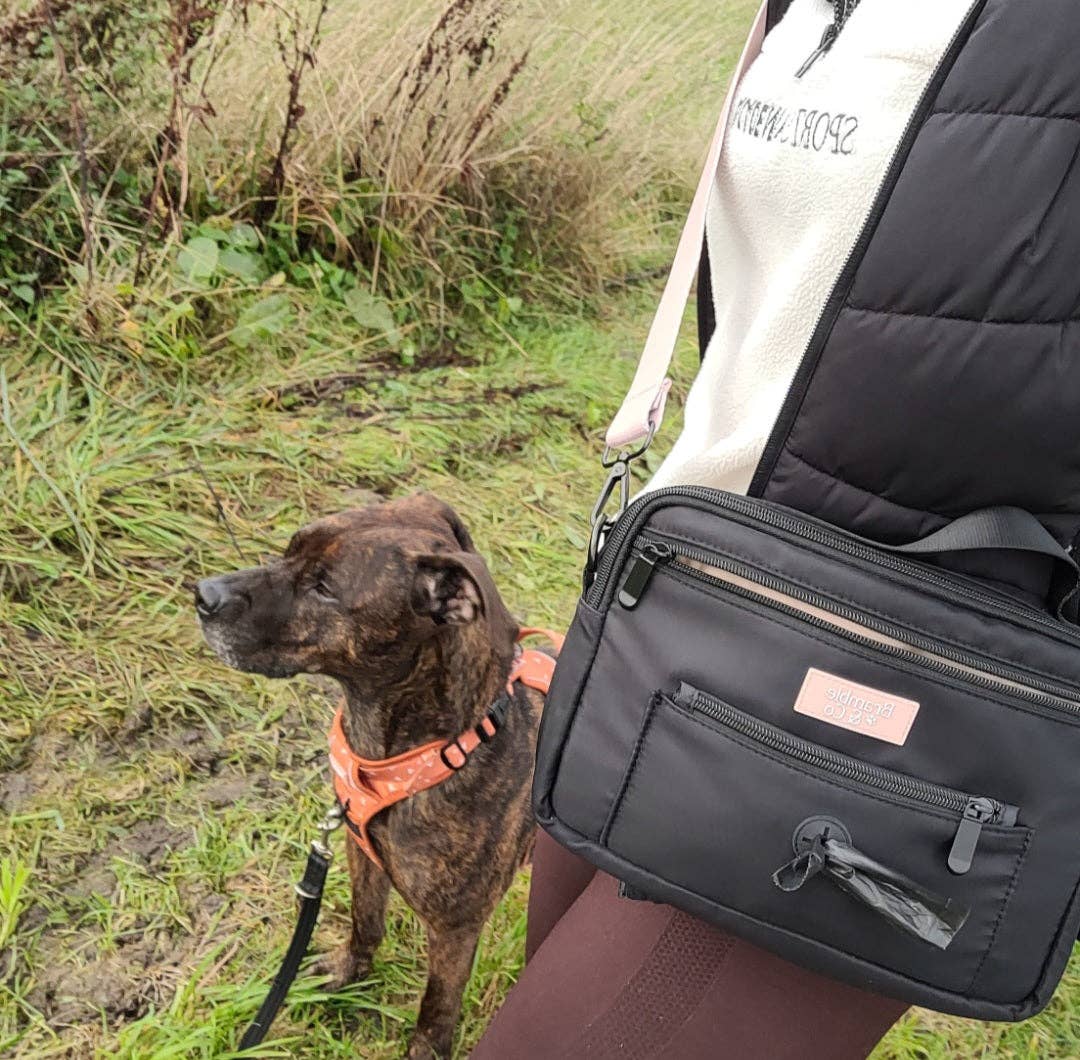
836	749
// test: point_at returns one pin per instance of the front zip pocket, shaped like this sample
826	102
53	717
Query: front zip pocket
713	800
973	811
844	621
777	521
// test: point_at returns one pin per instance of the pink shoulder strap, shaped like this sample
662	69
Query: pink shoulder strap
643	407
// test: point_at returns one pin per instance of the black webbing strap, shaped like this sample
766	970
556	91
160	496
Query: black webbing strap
1010	529
991	528
310	890
499	709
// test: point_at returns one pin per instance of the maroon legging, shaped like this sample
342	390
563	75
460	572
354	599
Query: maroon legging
611	979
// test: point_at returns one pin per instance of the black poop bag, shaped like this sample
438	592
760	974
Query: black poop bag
899	900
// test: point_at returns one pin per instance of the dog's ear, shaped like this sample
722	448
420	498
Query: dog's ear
430	506
445	590
455	588
457	527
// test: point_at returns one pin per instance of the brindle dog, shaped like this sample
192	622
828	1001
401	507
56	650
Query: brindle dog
394	602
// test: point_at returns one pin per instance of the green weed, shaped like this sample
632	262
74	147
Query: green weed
186	791
14	876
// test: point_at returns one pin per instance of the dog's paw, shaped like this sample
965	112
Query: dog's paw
342	966
421	1049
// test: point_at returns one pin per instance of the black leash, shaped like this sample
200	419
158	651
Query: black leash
310	890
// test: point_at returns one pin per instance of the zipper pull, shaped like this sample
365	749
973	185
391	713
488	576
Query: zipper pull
637	581
977	812
828	38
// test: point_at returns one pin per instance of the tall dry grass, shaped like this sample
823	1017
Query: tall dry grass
587	114
457	157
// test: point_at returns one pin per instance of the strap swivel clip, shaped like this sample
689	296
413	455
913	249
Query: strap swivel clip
332	820
618	465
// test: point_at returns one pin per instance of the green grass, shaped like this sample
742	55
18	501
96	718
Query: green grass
158	804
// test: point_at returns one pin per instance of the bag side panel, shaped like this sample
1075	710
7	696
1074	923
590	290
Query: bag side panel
571	671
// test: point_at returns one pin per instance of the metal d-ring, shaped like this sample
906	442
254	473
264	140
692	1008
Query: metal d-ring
626	455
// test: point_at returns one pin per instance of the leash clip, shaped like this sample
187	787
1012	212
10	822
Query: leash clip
332	820
619	475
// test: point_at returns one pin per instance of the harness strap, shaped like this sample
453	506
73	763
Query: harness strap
365	787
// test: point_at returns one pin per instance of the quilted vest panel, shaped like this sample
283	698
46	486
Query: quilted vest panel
944	375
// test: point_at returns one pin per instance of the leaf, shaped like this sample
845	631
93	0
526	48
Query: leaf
373	313
242	264
210	231
180	311
244	236
575	539
24	292
198	258
263	319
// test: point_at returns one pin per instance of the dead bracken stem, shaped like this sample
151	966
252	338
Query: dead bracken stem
426	109
297	50
188	24
78	121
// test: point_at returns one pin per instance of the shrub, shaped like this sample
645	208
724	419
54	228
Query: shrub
446	161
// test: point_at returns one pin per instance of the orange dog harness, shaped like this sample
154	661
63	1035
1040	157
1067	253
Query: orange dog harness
365	787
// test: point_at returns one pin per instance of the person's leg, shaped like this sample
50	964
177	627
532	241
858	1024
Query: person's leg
639	981
558	878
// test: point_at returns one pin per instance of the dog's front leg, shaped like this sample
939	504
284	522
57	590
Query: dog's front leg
450	958
370	891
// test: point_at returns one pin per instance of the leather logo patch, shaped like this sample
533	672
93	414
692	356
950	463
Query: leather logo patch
857	708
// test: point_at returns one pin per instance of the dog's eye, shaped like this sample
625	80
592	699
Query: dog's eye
322	589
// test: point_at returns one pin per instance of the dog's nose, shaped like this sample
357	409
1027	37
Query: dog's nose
210	597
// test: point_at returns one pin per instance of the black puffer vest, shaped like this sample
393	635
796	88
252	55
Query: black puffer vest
944	372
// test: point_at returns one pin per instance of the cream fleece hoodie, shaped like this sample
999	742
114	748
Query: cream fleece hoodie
802	161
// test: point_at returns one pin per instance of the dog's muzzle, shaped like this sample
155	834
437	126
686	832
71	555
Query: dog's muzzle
214	596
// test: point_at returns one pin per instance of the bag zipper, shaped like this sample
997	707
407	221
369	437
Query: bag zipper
974	811
853	625
807	365
765	513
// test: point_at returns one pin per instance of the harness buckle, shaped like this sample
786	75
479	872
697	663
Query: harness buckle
455	743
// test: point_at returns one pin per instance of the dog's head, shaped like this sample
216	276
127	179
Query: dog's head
355	595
